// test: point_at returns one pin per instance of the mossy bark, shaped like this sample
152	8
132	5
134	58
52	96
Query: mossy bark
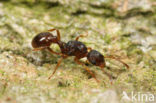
114	28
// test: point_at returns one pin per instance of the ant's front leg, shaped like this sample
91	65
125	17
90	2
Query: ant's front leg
58	33
82	35
110	76
87	69
102	68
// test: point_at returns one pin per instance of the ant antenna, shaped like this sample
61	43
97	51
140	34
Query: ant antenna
112	57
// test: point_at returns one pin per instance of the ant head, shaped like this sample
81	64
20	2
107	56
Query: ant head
44	39
96	58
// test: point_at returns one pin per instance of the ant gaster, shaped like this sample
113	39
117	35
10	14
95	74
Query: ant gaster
44	40
72	48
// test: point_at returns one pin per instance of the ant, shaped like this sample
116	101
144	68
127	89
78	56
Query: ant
72	48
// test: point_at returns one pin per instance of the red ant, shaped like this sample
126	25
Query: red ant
72	48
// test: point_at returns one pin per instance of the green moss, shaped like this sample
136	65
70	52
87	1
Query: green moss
24	73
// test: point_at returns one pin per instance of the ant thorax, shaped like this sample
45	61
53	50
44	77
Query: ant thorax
76	48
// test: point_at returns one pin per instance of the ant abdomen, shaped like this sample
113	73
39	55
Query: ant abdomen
96	58
44	39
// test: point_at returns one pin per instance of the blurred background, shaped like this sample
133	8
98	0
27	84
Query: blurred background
124	28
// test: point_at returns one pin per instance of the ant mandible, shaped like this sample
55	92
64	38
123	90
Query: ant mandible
72	48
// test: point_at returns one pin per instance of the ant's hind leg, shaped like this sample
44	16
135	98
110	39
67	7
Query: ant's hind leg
87	69
58	33
77	38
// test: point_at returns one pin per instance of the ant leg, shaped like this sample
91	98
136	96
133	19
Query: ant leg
49	49
110	77
58	64
112	57
92	74
101	67
58	33
38	49
77	38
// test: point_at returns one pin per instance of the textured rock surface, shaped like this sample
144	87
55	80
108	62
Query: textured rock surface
115	27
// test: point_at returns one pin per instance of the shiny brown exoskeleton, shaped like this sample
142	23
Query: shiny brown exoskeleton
44	40
96	58
74	48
